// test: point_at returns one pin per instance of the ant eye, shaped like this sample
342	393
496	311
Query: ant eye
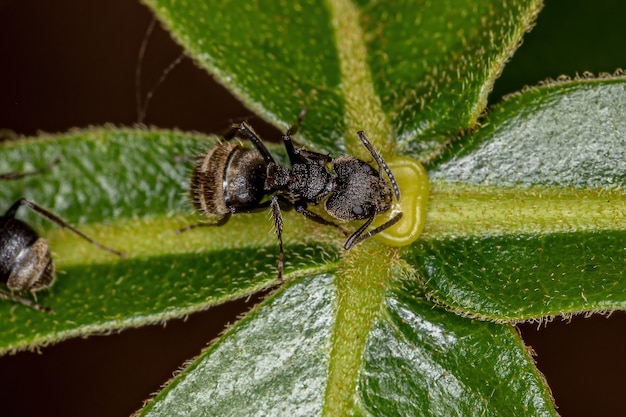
358	210
413	182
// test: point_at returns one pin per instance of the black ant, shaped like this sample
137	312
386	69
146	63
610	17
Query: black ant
25	261
231	179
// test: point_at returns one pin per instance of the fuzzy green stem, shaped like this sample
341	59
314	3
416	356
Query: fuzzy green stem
363	283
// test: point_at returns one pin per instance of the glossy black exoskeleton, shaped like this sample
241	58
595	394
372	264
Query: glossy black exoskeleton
25	261
231	179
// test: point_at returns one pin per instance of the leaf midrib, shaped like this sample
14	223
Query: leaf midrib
366	272
471	210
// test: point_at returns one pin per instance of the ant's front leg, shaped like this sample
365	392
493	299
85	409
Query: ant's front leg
301	207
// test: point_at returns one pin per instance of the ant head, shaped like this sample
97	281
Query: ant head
360	192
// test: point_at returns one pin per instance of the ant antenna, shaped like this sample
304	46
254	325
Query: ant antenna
382	165
18	175
142	105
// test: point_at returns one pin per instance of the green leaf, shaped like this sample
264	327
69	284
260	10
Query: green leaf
357	92
422	360
405	72
568	134
530	214
525	277
352	333
417	361
125	189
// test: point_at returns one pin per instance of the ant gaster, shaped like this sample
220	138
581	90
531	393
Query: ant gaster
231	178
25	261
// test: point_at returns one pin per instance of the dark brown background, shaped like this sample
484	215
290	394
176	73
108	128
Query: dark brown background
67	64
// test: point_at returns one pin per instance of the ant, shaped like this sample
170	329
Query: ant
25	261
231	179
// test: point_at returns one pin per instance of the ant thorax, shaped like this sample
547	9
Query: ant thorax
310	182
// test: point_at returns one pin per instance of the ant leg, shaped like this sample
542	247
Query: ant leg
53	218
382	165
18	175
245	129
278	226
301	155
25	301
358	236
294	155
222	221
300	208
218	223
315	156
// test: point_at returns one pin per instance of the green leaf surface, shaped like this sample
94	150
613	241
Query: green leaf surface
417	361
434	63
273	362
125	189
406	72
373	96
542	227
422	360
510	233
525	277
569	134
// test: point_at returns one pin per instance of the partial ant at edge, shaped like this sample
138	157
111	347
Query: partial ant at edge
25	260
